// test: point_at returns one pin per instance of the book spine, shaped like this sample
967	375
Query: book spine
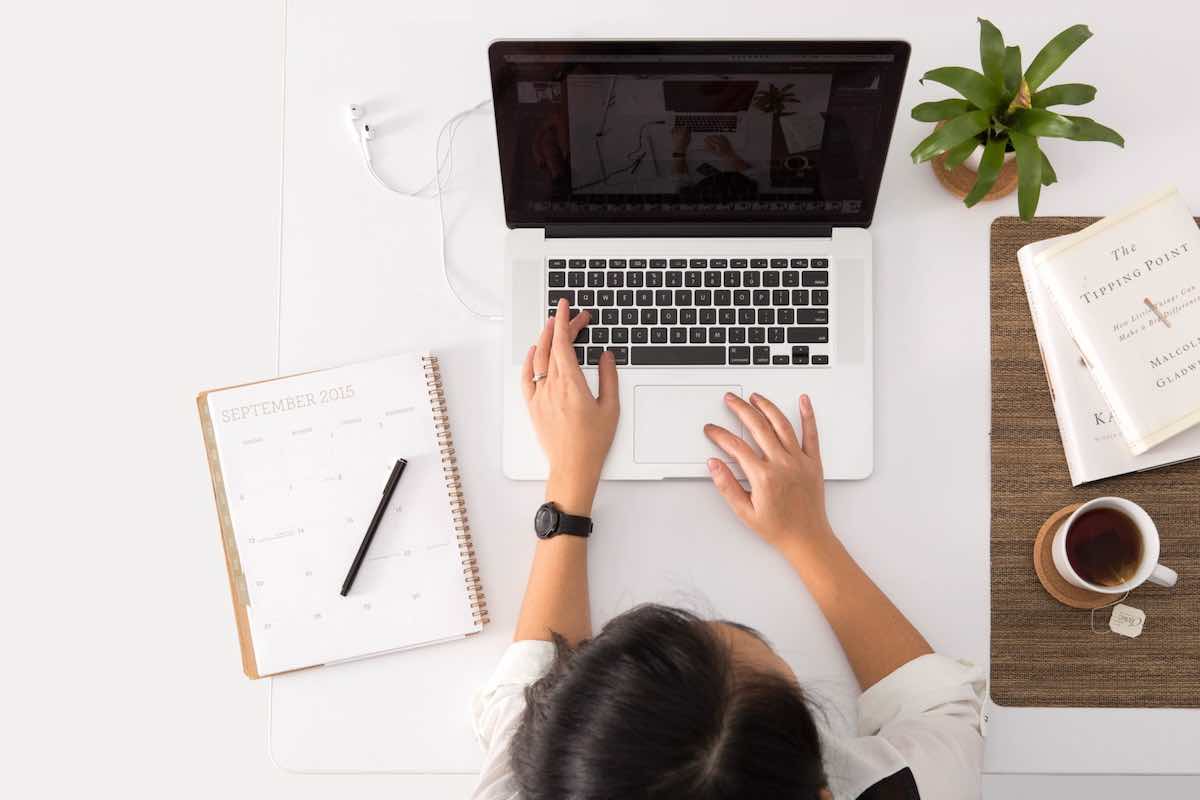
453	479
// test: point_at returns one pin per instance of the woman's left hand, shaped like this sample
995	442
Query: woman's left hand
574	428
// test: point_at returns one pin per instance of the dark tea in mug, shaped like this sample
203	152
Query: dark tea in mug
1104	546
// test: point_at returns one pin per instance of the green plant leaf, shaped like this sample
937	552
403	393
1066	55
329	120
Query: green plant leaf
1087	129
1012	70
1064	94
1056	51
1040	122
967	82
1029	173
958	154
954	132
1048	174
989	169
991	52
940	109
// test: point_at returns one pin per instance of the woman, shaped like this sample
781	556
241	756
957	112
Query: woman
662	704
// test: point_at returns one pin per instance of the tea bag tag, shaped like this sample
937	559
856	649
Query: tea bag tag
1127	620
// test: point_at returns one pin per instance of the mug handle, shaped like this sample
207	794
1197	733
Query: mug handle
1163	576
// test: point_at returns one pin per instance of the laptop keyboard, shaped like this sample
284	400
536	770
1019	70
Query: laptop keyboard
708	312
707	123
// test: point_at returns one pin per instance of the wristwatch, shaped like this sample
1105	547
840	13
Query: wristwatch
550	522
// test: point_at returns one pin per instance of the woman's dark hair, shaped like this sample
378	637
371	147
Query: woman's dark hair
656	707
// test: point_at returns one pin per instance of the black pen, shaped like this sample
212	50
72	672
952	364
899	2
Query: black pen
388	489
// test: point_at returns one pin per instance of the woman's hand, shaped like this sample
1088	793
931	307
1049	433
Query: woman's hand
574	428
786	501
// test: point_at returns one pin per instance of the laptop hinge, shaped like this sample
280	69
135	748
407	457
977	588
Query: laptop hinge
687	230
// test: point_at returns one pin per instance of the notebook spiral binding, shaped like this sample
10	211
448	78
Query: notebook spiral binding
458	502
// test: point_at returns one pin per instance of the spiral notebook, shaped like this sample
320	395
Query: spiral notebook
298	465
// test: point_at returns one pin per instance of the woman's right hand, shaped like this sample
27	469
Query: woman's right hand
786	501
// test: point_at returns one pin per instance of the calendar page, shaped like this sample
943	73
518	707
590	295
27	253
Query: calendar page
304	462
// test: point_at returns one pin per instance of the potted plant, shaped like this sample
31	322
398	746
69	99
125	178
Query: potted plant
1004	111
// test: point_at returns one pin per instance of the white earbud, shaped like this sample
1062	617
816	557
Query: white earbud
362	131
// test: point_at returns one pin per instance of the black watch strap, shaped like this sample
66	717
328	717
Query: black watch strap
550	522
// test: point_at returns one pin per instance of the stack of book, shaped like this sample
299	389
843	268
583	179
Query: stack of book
1116	308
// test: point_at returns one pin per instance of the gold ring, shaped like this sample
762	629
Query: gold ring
541	376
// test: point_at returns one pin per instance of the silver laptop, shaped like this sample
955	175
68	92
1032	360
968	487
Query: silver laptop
711	258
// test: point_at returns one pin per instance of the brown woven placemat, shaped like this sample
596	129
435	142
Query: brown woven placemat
1042	652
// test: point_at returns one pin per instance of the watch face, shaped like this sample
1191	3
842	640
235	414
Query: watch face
545	521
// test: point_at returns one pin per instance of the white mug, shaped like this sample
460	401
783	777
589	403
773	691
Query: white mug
1148	569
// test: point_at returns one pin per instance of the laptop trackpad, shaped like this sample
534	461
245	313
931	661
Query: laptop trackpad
668	423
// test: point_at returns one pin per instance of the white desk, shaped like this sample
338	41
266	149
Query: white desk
360	278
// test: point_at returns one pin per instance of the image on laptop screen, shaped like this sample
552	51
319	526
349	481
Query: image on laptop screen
659	132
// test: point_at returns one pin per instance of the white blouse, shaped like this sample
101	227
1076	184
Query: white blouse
924	716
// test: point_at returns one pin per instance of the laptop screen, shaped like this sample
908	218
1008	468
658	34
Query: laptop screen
694	132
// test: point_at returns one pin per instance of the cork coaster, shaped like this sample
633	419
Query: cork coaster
960	179
1043	563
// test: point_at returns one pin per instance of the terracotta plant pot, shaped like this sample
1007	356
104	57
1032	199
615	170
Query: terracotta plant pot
958	181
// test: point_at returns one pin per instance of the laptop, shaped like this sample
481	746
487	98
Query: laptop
709	260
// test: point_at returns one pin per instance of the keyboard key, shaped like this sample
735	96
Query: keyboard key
576	279
616	263
583	337
690	355
649	316
593	355
779	263
693	278
658	335
597	263
703	297
785	316
629	316
770	279
687	316
697	336
820	263
812	316
645	297
698	263
616	280
712	279
658	263
668	316
620	335
678	263
624	297
780	360
799	297
738	263
675	279
752	278
593	314
586	297
791	277
757	335
558	263
732	279
635	280
746	316
638	263
620	355
599	335
578	263
557	279
758	263
820	297
741	297
820	361
662	297
762	355
610	316
654	279
766	316
762	297
604	297
579	356
737	335
708	316
678	335
739	355
815	279
553	297
800	359
776	335
683	297
727	316
808	335
716	335
799	263
639	335
722	297
718	263
779	297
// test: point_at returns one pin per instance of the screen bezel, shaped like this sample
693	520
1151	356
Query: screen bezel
898	49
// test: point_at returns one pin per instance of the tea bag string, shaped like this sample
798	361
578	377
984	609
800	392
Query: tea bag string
1092	619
